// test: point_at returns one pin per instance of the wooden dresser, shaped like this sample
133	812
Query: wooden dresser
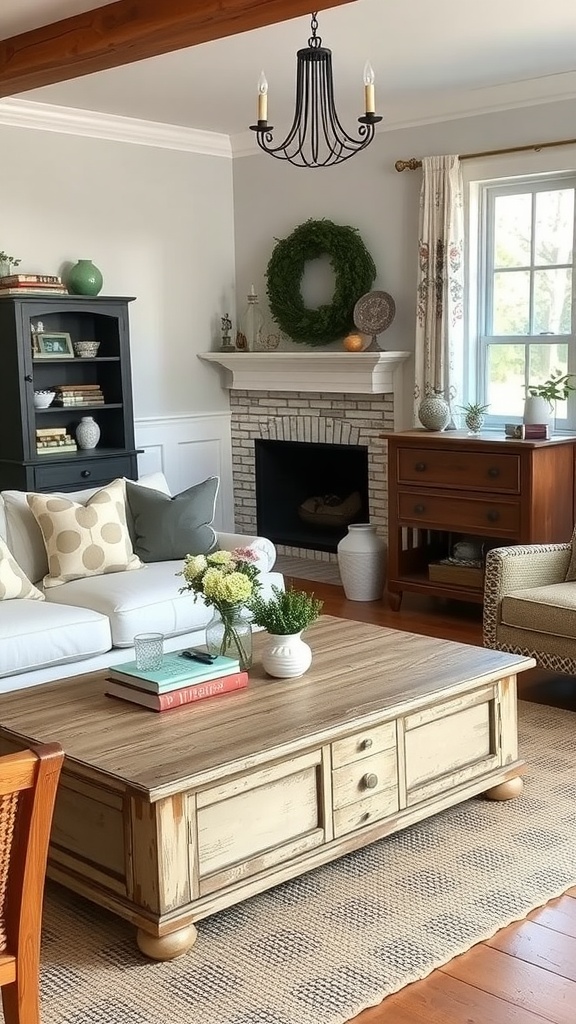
443	487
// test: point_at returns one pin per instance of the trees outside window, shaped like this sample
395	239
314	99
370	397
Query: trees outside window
526	329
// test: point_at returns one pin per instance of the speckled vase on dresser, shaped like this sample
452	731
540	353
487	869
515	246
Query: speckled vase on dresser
87	432
434	412
361	560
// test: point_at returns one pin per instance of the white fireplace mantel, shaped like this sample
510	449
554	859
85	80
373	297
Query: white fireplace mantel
358	373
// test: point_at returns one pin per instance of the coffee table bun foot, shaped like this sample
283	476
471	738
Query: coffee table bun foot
166	947
506	790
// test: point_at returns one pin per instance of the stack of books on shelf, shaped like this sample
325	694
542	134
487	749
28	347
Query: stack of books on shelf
179	681
32	284
527	431
78	394
54	441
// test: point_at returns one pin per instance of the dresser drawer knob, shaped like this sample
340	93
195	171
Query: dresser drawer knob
366	744
420	467
86	473
419	509
493	516
370	780
493	472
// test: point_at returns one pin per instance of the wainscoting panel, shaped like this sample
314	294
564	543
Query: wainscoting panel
187	449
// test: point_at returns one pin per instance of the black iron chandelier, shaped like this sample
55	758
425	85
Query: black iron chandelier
316	138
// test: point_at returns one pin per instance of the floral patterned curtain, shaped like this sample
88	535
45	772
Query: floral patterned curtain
440	292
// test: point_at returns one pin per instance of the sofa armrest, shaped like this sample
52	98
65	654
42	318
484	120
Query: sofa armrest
261	545
519	568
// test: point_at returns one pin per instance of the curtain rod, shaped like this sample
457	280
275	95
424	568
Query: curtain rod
412	164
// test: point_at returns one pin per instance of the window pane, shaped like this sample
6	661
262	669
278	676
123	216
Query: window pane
505	376
512	230
511	313
552	301
554	226
545	361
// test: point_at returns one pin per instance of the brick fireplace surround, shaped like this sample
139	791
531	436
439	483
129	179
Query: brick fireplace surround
328	398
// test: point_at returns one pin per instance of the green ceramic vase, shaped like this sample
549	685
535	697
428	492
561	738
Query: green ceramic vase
84	278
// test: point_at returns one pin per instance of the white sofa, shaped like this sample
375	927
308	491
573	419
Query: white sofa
89	624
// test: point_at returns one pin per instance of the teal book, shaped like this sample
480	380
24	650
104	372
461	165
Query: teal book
175	672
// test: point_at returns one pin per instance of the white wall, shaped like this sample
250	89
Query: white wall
271	197
159	225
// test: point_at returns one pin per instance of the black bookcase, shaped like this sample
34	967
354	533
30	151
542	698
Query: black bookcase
101	319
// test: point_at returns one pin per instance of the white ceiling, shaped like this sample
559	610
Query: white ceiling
432	59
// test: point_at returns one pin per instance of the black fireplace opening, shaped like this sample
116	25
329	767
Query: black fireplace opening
307	494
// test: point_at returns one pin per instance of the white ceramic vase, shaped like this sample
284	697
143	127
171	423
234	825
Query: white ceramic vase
361	560
87	432
538	410
286	657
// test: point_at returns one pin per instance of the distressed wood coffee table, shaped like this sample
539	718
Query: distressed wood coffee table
165	819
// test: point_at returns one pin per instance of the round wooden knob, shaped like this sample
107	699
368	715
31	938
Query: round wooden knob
493	516
419	509
493	471
370	780
420	467
366	744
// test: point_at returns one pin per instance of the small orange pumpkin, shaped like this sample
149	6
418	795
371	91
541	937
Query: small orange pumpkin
353	343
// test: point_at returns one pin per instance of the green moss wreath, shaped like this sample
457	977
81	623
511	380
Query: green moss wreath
354	271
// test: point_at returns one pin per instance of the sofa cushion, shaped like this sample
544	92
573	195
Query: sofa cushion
165	528
37	634
14	584
23	535
571	570
549	609
137	602
84	540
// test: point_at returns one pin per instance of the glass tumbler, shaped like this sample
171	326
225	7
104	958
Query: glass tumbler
149	651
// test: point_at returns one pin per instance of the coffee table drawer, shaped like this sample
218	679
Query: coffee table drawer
364	812
364	778
257	820
370	741
478	471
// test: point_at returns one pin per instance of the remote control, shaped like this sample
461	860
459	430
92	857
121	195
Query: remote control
201	656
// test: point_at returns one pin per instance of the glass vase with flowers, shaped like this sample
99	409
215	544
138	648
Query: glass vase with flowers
227	580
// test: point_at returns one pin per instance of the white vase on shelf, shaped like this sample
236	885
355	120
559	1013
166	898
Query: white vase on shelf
87	432
361	560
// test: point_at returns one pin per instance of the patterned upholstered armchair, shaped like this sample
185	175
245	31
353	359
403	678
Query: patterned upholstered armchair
529	607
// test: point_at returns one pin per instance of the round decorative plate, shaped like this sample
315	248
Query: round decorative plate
374	312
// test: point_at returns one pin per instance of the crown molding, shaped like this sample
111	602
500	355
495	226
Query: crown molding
92	124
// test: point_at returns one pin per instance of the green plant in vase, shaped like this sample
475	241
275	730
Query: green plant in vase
474	414
540	405
285	616
7	262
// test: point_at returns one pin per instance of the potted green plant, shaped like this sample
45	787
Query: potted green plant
7	262
540	401
285	616
474	416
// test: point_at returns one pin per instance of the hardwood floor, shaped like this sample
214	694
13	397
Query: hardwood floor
525	974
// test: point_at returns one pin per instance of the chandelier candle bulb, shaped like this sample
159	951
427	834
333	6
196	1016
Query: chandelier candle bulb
262	97
369	97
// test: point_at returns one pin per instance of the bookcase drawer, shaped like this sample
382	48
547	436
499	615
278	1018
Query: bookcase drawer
84	473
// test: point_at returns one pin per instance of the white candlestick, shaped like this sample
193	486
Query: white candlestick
262	97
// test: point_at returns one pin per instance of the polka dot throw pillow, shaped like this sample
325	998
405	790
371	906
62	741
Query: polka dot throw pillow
14	583
84	540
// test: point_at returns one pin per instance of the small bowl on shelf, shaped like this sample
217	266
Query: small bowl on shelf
86	349
42	399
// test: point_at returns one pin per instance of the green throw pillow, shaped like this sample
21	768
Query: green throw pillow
164	528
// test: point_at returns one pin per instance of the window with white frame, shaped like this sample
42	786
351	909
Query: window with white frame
526	320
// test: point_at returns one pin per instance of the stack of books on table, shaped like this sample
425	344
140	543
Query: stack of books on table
54	441
78	394
179	681
32	284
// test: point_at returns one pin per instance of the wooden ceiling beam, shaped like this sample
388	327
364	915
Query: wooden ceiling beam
131	30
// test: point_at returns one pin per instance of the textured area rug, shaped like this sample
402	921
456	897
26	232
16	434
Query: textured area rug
326	945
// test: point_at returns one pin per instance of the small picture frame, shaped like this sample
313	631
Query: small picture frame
52	345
